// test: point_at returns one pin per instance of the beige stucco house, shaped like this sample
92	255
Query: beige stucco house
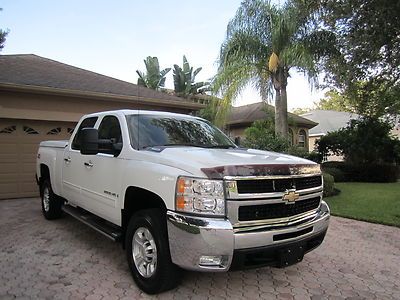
42	99
242	117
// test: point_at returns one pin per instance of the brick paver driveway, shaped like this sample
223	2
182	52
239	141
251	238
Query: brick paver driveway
66	259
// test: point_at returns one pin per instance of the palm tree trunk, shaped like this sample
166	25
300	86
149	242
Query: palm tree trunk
281	125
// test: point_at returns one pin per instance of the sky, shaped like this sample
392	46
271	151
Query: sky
114	37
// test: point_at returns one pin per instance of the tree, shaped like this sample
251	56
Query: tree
334	100
153	78
301	110
367	34
264	42
362	142
3	35
184	80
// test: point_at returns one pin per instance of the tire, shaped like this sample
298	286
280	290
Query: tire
51	203
152	268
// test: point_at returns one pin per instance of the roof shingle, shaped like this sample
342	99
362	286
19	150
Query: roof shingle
247	114
36	71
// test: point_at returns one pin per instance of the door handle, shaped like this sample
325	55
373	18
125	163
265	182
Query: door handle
67	159
88	164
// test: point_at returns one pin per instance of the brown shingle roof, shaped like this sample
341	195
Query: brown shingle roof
247	114
30	70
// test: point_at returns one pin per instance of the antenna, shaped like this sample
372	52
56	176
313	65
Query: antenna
138	115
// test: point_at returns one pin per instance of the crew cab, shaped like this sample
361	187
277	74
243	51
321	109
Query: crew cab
179	194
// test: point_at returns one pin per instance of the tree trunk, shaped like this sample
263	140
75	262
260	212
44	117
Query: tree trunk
279	80
281	122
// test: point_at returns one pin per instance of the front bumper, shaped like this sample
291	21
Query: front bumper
192	237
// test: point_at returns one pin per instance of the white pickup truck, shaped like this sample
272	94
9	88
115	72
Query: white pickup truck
178	193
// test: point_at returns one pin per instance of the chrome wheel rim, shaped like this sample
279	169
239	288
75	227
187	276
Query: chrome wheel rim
46	199
144	252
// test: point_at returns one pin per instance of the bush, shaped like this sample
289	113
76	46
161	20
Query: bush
337	174
363	142
372	173
361	172
329	185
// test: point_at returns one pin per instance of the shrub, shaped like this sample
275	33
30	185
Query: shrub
337	174
329	185
371	172
363	141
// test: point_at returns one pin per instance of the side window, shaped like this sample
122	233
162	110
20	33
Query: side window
87	123
110	129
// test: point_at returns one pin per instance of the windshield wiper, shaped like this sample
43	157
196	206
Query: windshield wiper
178	145
220	146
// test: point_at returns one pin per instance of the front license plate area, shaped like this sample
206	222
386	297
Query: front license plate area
291	255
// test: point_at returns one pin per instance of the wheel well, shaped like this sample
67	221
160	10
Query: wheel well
44	174
137	199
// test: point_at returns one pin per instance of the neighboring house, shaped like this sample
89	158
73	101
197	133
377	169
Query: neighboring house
42	99
242	117
328	121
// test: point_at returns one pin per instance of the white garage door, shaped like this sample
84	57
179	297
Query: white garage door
19	141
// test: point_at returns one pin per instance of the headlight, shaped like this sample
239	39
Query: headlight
200	196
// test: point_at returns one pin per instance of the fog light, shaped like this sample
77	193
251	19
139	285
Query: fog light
210	260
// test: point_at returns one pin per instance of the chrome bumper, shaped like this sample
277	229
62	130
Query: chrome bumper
191	237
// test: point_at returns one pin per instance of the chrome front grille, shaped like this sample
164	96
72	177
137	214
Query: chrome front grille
252	186
254	203
277	210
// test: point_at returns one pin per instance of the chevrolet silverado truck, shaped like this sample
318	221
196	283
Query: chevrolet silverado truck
179	194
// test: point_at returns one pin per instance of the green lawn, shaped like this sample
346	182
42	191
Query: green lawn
372	202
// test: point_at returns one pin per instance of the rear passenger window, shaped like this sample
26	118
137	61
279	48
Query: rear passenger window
87	123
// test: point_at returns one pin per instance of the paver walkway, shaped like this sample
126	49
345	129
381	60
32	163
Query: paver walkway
65	259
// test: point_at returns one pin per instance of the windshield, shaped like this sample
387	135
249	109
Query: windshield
157	130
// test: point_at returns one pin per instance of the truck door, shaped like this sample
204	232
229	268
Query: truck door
102	173
72	165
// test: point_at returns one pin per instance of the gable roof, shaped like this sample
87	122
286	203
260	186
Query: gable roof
247	114
34	72
328	120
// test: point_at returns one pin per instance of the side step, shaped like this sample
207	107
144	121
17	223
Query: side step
111	231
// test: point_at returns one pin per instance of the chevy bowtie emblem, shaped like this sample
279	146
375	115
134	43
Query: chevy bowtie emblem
290	196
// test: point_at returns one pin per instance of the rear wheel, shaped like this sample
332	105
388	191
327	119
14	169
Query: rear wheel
51	203
147	251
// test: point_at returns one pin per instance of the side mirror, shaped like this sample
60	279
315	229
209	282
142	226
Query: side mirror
89	141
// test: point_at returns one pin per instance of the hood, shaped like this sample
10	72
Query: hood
217	163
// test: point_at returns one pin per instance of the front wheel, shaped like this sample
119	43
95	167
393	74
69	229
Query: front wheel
51	203
148	253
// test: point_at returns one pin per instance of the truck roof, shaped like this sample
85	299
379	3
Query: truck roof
126	112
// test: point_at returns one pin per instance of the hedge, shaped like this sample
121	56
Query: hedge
361	173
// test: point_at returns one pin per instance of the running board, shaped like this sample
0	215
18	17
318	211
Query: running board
109	230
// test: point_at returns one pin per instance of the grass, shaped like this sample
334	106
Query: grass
372	202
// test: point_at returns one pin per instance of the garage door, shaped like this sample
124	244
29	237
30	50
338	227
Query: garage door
19	141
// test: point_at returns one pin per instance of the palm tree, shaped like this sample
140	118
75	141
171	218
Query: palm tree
184	80
263	43
153	78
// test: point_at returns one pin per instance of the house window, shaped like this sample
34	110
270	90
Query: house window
302	138
54	131
291	136
30	130
70	130
9	129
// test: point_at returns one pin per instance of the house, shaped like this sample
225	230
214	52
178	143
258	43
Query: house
42	99
242	117
328	121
